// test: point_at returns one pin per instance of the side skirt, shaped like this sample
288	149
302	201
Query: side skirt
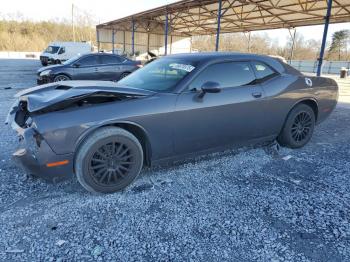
258	142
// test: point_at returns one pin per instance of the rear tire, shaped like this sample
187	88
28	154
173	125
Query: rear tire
298	128
108	160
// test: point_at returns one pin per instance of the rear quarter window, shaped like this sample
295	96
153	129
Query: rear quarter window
263	71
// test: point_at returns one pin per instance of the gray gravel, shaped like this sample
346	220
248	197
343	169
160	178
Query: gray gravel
18	73
240	205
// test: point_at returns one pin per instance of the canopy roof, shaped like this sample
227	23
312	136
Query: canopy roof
199	17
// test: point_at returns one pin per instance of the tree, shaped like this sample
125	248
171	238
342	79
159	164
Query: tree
339	42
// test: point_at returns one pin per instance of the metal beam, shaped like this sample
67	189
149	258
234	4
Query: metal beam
324	38
218	28
148	38
98	40
113	35
133	37
166	34
171	44
124	49
248	40
293	44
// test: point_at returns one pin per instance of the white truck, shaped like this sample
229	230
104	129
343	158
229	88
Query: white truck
58	52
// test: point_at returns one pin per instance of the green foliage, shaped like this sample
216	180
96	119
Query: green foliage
35	36
339	43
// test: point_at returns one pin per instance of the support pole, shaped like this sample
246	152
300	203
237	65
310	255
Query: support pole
133	38
171	44
293	44
124	49
73	26
248	40
98	40
218	29
113	35
191	44
324	38
166	35
148	38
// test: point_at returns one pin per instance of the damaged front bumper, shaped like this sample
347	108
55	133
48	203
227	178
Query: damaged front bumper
41	80
37	158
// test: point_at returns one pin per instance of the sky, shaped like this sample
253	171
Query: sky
106	10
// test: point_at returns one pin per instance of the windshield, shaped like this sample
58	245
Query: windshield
52	49
160	75
72	60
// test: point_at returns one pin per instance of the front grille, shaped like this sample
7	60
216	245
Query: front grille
44	58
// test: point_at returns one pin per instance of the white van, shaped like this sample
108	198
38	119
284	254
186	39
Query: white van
58	52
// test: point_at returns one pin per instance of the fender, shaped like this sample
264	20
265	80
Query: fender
146	144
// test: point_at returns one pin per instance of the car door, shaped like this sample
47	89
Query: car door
111	67
275	103
87	68
232	116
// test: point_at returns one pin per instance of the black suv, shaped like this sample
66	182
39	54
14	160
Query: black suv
96	66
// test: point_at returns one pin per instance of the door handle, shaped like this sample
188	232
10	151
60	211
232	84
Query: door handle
257	94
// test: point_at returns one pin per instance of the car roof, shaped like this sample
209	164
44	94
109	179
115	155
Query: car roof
214	56
99	54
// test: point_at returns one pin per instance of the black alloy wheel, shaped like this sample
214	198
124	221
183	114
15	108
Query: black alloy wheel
108	160
111	163
299	127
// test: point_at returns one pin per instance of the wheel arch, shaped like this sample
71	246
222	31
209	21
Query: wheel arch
311	102
138	131
63	73
307	101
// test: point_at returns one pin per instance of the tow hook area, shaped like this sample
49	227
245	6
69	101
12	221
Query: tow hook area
38	138
272	149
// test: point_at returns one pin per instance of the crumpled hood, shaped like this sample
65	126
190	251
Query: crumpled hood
43	96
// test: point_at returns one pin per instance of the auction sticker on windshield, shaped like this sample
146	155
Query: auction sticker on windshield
184	67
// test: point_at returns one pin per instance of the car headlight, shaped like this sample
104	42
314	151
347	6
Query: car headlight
45	73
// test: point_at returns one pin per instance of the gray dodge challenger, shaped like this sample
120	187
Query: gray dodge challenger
175	107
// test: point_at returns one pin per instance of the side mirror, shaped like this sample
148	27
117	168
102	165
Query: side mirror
76	65
209	87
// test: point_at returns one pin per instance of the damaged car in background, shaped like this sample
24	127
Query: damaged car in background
95	66
177	106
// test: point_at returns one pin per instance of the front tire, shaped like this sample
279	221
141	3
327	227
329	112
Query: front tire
108	160
61	77
298	128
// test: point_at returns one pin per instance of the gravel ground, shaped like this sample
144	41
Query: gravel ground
18	73
241	205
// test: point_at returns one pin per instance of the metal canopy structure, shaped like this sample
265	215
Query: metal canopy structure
188	18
